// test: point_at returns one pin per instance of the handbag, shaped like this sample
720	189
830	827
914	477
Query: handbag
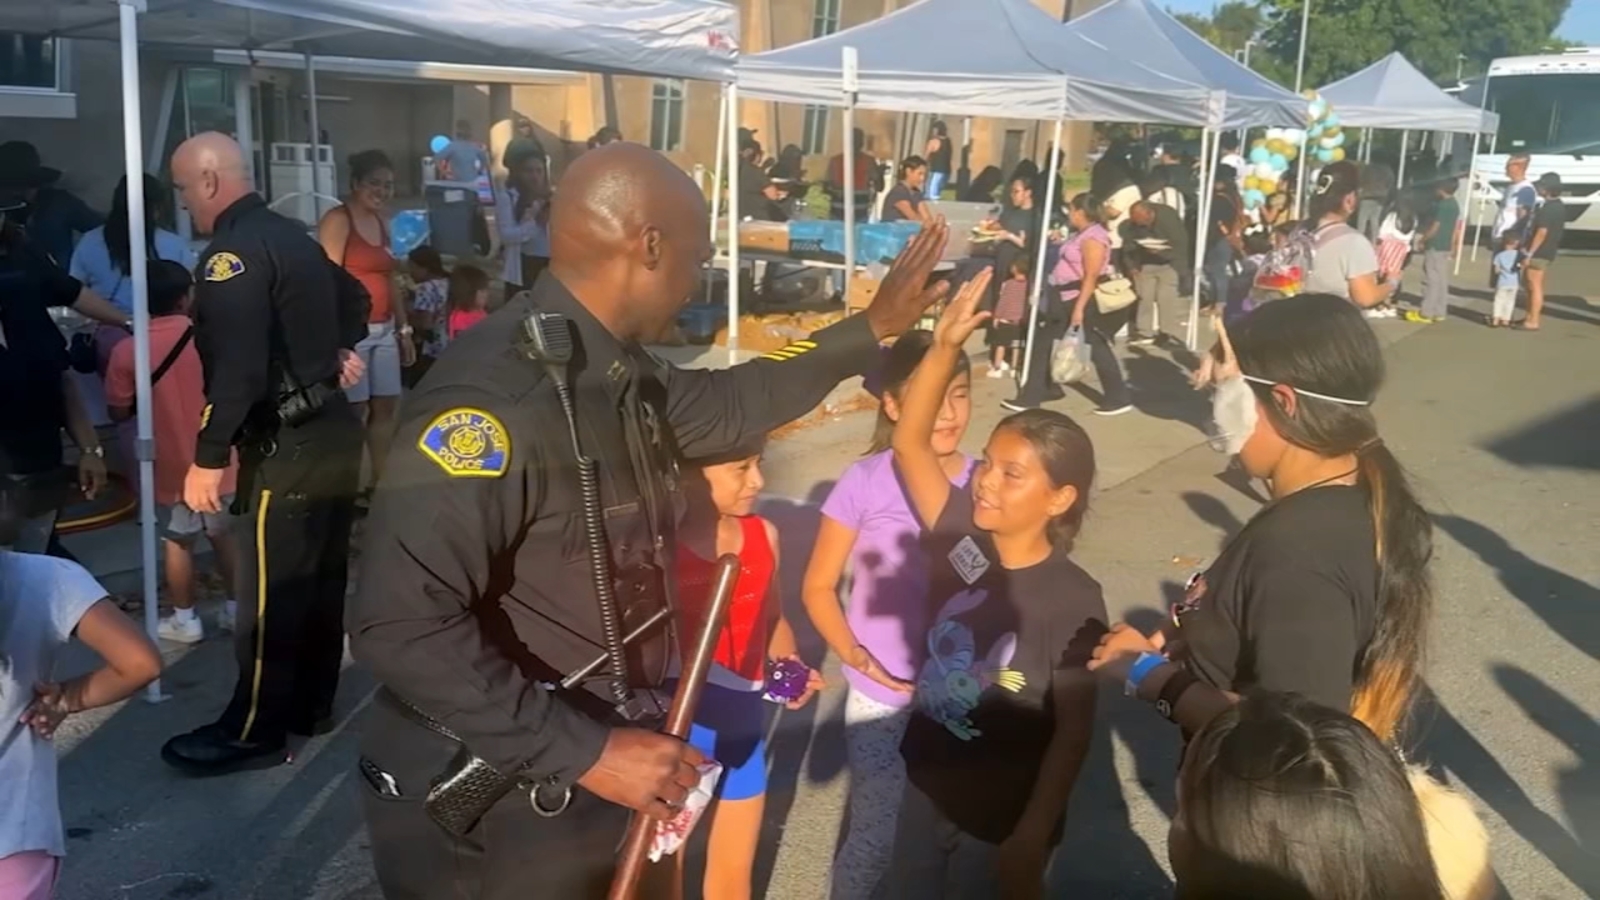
1114	294
1069	358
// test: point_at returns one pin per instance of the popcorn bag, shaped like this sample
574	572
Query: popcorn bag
674	833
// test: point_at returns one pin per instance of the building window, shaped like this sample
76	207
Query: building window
666	114
824	18
814	134
29	62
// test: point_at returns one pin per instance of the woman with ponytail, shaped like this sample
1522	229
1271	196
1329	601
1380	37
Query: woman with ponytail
1326	591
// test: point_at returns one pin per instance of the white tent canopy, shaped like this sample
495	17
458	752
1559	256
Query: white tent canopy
976	58
679	38
1140	30
1392	93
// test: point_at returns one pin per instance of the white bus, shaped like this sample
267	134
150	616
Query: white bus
1549	108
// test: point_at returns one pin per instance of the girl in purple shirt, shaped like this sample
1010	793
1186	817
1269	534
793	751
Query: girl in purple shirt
868	528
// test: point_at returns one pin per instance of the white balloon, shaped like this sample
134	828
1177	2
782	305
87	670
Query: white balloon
1264	171
1296	136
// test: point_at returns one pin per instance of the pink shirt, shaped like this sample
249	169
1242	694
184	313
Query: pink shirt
178	401
1069	267
462	319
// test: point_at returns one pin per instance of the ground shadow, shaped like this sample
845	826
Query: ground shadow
1213	512
1565	307
1570	439
1570	606
1447	746
1161	388
1577	786
266	835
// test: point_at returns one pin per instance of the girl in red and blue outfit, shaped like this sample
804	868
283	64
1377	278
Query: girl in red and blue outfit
730	723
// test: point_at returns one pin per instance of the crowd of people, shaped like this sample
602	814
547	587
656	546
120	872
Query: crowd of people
972	641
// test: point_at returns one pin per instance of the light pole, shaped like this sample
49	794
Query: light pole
1461	62
1300	63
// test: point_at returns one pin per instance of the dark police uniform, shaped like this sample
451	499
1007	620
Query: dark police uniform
271	315
477	596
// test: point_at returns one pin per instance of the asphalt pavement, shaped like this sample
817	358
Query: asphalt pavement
1500	430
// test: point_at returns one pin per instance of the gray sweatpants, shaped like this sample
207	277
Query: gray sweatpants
1157	289
1436	283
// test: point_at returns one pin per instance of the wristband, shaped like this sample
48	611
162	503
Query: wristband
1173	691
1142	667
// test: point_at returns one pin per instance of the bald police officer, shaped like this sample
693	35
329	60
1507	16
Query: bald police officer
479	596
274	323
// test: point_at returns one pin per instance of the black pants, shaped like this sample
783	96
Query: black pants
511	854
1099	329
294	540
1038	387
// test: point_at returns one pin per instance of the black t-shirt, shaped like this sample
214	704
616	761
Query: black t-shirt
753	200
1291	603
33	356
1224	215
939	159
983	713
1552	216
901	191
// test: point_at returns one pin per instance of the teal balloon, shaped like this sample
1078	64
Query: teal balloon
1278	162
1315	131
1332	121
1253	198
437	145
1318	108
1260	155
1324	155
408	230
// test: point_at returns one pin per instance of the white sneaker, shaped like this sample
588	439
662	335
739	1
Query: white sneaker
996	373
172	628
226	615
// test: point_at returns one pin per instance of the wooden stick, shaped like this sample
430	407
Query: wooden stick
691	682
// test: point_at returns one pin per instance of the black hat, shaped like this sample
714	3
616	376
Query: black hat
20	166
1549	181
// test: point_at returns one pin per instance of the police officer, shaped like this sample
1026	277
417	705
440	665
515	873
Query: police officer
274	324
478	596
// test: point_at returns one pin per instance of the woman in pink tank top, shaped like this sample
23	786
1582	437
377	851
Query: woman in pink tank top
356	236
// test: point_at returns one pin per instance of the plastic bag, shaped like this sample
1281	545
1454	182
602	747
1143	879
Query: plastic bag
1069	359
674	832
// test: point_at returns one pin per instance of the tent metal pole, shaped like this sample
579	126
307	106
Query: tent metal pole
1400	175
144	446
244	124
1302	200
848	78
716	179
731	135
1462	224
1038	268
316	138
1483	199
1202	231
158	137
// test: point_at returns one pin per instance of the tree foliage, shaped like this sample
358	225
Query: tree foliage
1355	33
1349	35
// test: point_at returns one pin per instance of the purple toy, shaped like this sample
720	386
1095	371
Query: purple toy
786	680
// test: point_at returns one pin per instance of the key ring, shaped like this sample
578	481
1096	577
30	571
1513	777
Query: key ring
566	801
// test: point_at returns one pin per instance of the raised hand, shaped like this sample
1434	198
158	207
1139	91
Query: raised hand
905	292
961	315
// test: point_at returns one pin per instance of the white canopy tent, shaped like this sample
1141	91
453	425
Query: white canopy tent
1139	29
677	38
965	57
1393	93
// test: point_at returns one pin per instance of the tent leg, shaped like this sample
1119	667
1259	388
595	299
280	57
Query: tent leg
1400	175
1473	167
1028	348
244	128
716	182
1208	152
731	135
144	446
158	137
849	195
316	138
1302	191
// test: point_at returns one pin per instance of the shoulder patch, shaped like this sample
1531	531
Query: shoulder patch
205	416
467	443
223	266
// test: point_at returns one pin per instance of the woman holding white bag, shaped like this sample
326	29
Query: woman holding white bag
1081	271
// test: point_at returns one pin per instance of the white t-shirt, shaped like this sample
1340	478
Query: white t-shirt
1518	197
1122	200
1390	230
41	600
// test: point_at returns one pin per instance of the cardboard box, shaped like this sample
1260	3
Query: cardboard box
765	237
862	289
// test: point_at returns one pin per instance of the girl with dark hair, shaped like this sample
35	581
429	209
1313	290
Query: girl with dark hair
355	235
1284	799
103	259
869	530
1326	591
1343	263
1224	234
1004	708
522	216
